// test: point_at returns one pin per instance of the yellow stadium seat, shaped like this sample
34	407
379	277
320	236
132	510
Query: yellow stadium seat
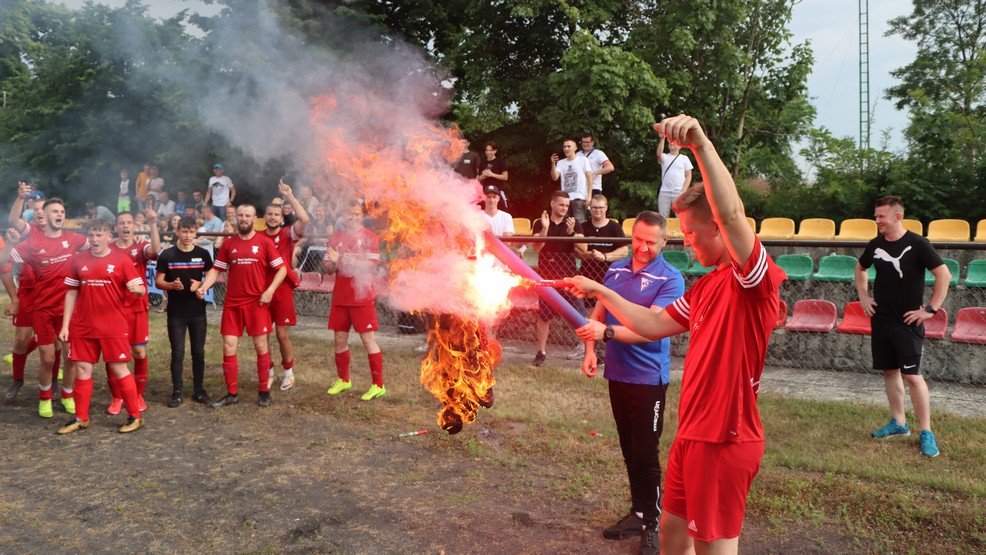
948	230
753	223
259	224
816	229
857	229
981	231
72	223
914	225
674	228
522	226
628	226
776	228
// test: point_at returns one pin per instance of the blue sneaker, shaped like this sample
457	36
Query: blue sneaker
892	429
929	447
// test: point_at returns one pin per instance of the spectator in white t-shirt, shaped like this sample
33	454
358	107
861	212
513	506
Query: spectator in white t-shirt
598	162
501	223
576	178
221	191
676	176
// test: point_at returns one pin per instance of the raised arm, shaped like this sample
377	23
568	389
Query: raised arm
303	219
17	208
660	151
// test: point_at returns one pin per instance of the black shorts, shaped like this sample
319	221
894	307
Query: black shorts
897	345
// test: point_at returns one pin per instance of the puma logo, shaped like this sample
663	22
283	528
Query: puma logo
881	254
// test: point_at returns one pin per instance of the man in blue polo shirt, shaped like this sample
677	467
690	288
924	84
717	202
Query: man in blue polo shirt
638	373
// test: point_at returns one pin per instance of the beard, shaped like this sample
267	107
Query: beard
244	228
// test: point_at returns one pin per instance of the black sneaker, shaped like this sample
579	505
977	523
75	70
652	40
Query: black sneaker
175	400
540	358
227	399
201	397
12	390
650	540
627	527
263	399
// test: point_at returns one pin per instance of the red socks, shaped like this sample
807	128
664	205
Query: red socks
58	364
128	391
342	365
231	369
263	371
83	396
376	368
289	365
19	362
111	383
44	394
140	374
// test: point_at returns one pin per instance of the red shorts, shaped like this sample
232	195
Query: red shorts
139	328
253	316
360	318
113	349
282	310
25	300
46	324
707	483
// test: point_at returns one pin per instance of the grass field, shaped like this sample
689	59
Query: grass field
314	474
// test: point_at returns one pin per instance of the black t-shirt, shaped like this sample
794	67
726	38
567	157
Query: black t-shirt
186	266
497	166
594	269
467	165
557	260
900	265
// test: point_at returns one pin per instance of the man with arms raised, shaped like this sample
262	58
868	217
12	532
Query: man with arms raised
96	319
729	313
249	289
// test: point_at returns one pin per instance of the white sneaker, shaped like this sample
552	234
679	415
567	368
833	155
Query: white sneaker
578	353
422	348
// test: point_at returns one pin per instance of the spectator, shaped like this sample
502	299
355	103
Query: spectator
165	206
494	170
468	164
308	200
123	200
140	224
576	178
221	191
210	224
598	162
555	261
597	257
140	187
501	223
676	176
155	183
100	212
229	226
229	211
181	202
197	199
287	212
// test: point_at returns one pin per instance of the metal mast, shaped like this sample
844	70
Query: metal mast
864	74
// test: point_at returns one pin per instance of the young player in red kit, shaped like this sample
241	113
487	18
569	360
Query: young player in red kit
249	289
282	309
353	255
50	256
730	314
139	251
95	323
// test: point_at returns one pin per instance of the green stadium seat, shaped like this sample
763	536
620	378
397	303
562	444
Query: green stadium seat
836	268
798	267
678	259
871	274
975	274
696	269
953	267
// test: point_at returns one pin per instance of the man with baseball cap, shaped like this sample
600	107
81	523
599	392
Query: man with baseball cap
221	191
502	223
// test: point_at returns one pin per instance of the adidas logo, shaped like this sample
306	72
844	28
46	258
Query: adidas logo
369	326
234	251
692	527
123	356
287	320
84	269
265	330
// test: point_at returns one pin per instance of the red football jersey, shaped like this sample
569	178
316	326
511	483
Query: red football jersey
137	253
352	290
730	314
25	278
246	261
284	241
50	259
100	309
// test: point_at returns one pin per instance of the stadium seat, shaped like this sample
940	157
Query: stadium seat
776	228
975	274
913	225
674	228
812	315
856	229
816	229
781	315
937	326
310	281
678	259
948	230
981	232
854	320
522	226
953	267
523	298
970	326
259	224
628	226
836	267
696	269
327	284
798	267
753	223
871	274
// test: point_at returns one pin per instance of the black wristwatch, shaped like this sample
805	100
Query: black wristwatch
610	333
930	309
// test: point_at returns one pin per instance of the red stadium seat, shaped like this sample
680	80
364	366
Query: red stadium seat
854	320
781	315
327	284
970	326
937	326
813	315
310	281
523	298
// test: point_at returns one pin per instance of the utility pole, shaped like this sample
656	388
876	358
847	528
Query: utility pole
864	75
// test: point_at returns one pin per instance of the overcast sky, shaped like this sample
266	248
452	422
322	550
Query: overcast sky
833	28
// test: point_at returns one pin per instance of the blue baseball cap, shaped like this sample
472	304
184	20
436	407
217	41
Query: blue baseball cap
218	166
34	195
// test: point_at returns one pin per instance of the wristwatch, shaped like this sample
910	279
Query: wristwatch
930	309
610	333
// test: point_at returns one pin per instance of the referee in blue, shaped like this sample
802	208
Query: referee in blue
638	374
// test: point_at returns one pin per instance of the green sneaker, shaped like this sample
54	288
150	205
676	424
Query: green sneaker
68	405
374	392
929	447
892	429
59	378
9	359
44	409
339	386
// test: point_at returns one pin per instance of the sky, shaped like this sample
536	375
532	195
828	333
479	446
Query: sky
832	26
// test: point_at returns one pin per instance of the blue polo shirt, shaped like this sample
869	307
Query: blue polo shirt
657	284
